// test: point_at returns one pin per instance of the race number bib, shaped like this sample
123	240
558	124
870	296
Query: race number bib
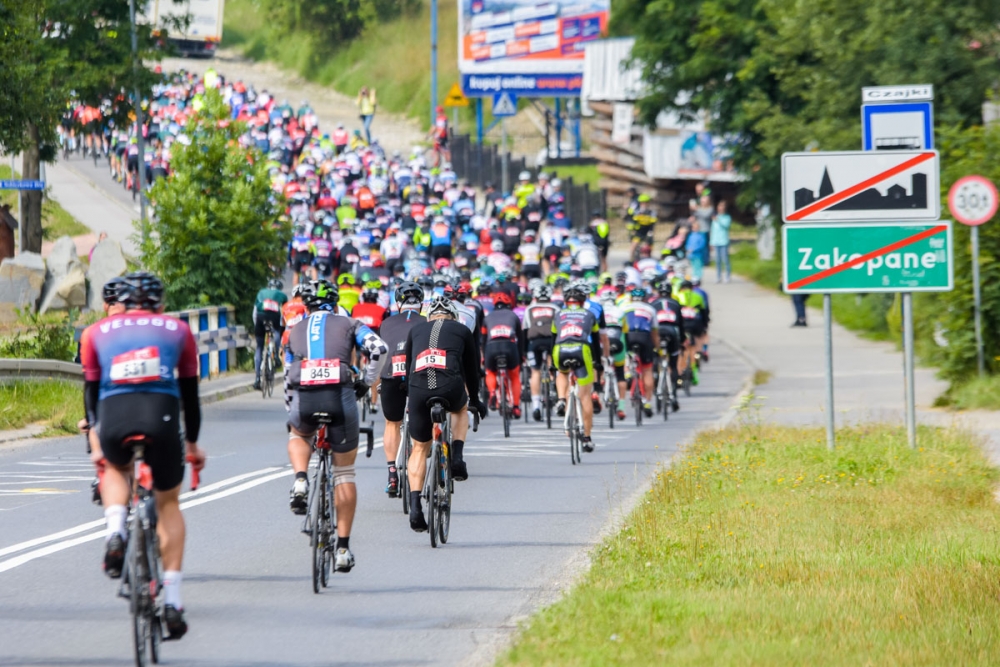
352	258
431	358
571	331
271	306
295	320
399	366
136	367
319	372
666	316
501	331
512	231
689	313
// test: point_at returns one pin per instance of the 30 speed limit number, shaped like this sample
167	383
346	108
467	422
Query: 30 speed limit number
973	200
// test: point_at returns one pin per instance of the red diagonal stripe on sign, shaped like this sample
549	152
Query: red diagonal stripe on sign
834	270
838	197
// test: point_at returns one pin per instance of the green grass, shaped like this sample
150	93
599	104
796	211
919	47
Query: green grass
760	547
974	394
582	173
56	221
393	57
57	404
867	314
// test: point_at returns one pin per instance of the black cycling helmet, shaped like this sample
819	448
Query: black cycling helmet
111	289
524	298
409	292
574	293
320	295
141	290
275	283
664	288
686	284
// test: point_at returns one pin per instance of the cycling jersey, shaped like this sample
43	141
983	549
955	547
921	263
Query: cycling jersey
639	316
574	324
138	352
440	233
538	319
394	332
269	303
370	314
319	351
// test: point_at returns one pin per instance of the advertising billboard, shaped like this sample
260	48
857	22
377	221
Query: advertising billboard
525	47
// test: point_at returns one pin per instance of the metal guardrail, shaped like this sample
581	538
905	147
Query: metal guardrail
39	369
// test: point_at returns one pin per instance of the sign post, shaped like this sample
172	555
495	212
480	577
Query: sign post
973	201
504	105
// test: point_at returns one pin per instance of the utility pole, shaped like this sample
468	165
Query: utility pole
141	174
434	59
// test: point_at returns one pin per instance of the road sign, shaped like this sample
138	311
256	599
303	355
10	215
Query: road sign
877	94
22	184
860	186
456	98
973	200
868	257
504	104
894	127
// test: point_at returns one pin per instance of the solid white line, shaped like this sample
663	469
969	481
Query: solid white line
60	546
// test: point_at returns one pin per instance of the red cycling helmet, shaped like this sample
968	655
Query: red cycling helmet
465	287
500	297
442	263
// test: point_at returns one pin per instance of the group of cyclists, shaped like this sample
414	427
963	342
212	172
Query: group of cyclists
409	288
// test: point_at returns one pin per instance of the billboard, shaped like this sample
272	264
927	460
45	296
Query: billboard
525	47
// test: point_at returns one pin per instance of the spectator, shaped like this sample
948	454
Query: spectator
799	301
100	237
695	248
366	107
720	241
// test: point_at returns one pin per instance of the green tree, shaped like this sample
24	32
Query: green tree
332	22
215	238
50	49
781	75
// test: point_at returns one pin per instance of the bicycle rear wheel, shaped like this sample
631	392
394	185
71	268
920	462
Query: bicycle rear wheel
637	400
326	532
401	469
139	601
547	395
611	401
444	513
316	518
503	404
265	365
571	424
431	488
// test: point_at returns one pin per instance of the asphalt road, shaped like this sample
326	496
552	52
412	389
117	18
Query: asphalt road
521	528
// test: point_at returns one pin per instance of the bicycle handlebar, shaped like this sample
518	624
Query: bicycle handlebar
475	422
369	431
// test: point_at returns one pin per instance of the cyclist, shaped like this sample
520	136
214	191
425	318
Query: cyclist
616	328
643	221
642	339
322	252
369	311
538	327
129	364
299	252
293	312
693	314
441	239
670	326
601	230
349	293
267	310
441	363
319	381
575	328
409	297
504	339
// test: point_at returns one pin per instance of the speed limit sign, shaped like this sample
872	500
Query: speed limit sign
973	200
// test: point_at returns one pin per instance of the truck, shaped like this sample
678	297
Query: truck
203	32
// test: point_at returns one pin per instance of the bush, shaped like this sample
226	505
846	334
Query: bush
216	238
48	336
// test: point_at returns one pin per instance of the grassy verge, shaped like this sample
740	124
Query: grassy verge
761	547
57	404
975	394
583	173
866	314
56	221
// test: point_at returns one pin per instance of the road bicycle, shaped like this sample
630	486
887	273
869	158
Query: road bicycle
611	392
320	523
141	581
403	460
268	361
635	386
526	392
665	397
573	421
439	486
547	388
503	388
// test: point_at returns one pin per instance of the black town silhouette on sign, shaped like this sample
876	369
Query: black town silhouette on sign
895	197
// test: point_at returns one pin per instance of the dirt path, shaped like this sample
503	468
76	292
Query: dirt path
394	132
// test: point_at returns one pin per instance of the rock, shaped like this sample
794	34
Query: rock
65	281
21	281
106	263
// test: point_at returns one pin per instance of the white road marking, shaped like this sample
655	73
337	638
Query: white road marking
191	499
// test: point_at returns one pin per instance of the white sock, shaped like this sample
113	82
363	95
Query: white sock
172	588
536	402
115	516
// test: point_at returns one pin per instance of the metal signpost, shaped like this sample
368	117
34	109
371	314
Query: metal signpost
20	184
504	106
973	201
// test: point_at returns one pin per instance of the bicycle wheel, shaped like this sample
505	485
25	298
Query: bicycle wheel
270	372
315	518
139	600
265	362
404	460
688	375
637	400
571	427
610	400
431	491
155	569
326	531
444	513
546	395
503	403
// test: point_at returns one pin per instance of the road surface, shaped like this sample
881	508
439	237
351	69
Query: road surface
521	528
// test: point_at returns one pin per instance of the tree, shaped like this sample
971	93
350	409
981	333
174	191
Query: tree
781	75
52	49
215	238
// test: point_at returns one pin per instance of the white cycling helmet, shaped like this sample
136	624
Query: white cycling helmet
524	176
496	246
542	292
442	304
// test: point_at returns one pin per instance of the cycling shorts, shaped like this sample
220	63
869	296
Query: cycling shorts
641	342
642	233
670	340
616	342
694	328
501	348
324	267
566	352
393	398
300	259
538	349
421	426
154	415
440	252
339	403
259	327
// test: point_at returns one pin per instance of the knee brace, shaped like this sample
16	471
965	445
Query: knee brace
343	475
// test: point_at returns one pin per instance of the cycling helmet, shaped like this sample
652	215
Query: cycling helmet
620	278
574	293
111	289
496	246
321	295
442	263
275	283
524	176
686	284
524	298
442	305
141	289
638	293
345	279
299	290
581	285
649	275
409	292
319	231
542	292
502	298
370	295
665	289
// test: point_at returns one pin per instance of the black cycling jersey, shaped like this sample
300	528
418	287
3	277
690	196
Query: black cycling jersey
394	332
668	314
440	356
